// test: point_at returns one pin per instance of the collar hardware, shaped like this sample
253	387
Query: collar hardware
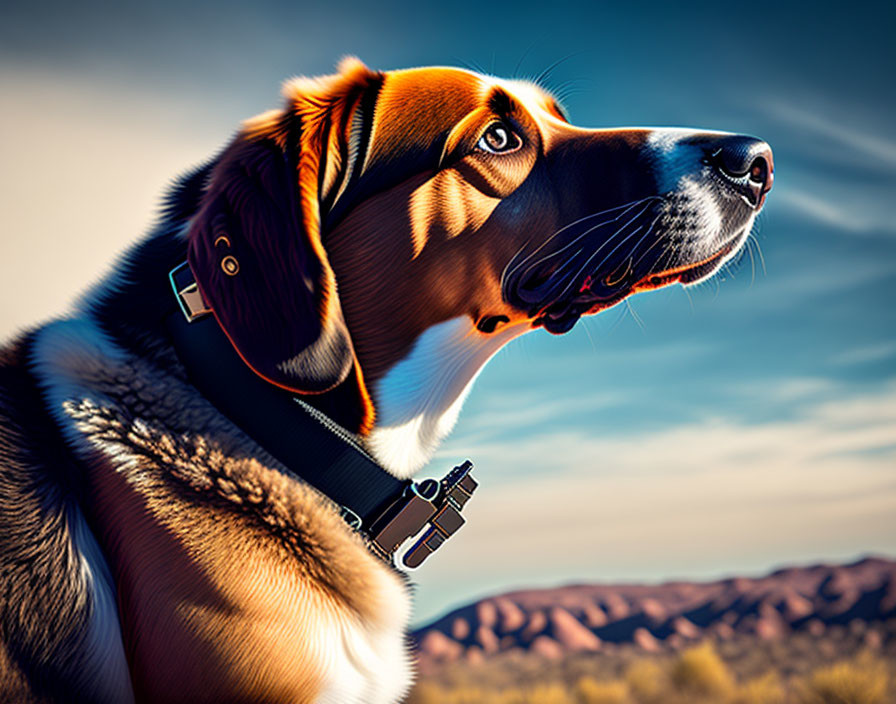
187	293
350	517
428	506
386	510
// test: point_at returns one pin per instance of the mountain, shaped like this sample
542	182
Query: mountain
594	617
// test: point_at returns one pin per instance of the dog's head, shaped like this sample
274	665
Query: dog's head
407	224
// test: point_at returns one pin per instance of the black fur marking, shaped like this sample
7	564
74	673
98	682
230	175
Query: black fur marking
182	201
500	103
352	197
132	304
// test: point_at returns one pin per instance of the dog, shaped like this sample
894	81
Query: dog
365	249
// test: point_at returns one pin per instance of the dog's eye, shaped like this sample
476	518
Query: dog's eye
499	139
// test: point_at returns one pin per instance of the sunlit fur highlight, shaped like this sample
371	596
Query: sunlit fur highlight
207	570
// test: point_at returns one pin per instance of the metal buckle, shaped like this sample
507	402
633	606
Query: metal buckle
432	503
187	293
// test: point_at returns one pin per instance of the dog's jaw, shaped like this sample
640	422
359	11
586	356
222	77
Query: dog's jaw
418	400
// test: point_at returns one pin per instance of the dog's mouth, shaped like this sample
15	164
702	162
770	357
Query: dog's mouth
610	256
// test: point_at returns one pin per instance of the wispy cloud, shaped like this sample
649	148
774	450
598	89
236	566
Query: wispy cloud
835	167
833	205
859	138
711	495
865	354
787	391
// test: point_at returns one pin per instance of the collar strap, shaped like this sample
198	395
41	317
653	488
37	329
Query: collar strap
386	510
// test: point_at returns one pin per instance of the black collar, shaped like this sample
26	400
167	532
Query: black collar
386	510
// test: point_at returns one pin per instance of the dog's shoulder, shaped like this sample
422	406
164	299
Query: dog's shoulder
179	485
59	619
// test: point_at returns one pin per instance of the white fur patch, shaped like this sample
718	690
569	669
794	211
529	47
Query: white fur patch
708	218
742	237
418	400
365	664
103	670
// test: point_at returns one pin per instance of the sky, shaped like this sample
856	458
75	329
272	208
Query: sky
732	427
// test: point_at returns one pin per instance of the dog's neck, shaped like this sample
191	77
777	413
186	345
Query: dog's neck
130	306
416	402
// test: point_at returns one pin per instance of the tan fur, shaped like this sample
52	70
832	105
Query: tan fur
233	577
178	559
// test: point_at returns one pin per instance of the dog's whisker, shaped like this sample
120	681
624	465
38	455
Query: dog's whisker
555	279
522	58
666	257
606	257
633	265
588	232
469	64
608	241
749	249
599	225
646	234
508	266
624	208
635	316
538	80
647	251
761	257
687	293
566	282
613	251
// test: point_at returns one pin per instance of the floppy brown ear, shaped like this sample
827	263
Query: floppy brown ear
255	245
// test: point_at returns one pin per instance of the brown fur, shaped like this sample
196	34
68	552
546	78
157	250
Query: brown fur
152	550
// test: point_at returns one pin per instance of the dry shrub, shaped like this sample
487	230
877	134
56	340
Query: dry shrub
590	691
646	681
549	694
863	680
505	696
426	693
766	689
429	693
701	672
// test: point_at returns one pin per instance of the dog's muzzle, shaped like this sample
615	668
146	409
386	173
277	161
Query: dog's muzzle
677	224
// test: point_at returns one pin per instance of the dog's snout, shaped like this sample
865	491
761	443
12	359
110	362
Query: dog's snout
746	162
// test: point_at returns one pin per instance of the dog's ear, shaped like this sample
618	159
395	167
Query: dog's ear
255	245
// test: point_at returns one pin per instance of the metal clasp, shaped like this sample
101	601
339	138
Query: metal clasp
187	293
427	503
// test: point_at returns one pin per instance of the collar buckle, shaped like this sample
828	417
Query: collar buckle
187	292
433	507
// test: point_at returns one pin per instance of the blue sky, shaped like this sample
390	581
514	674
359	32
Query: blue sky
744	423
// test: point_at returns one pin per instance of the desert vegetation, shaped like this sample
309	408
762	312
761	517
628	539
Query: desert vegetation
695	675
822	634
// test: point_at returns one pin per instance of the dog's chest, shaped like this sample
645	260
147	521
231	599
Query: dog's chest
235	581
233	615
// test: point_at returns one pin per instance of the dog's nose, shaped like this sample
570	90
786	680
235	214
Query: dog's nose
746	162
